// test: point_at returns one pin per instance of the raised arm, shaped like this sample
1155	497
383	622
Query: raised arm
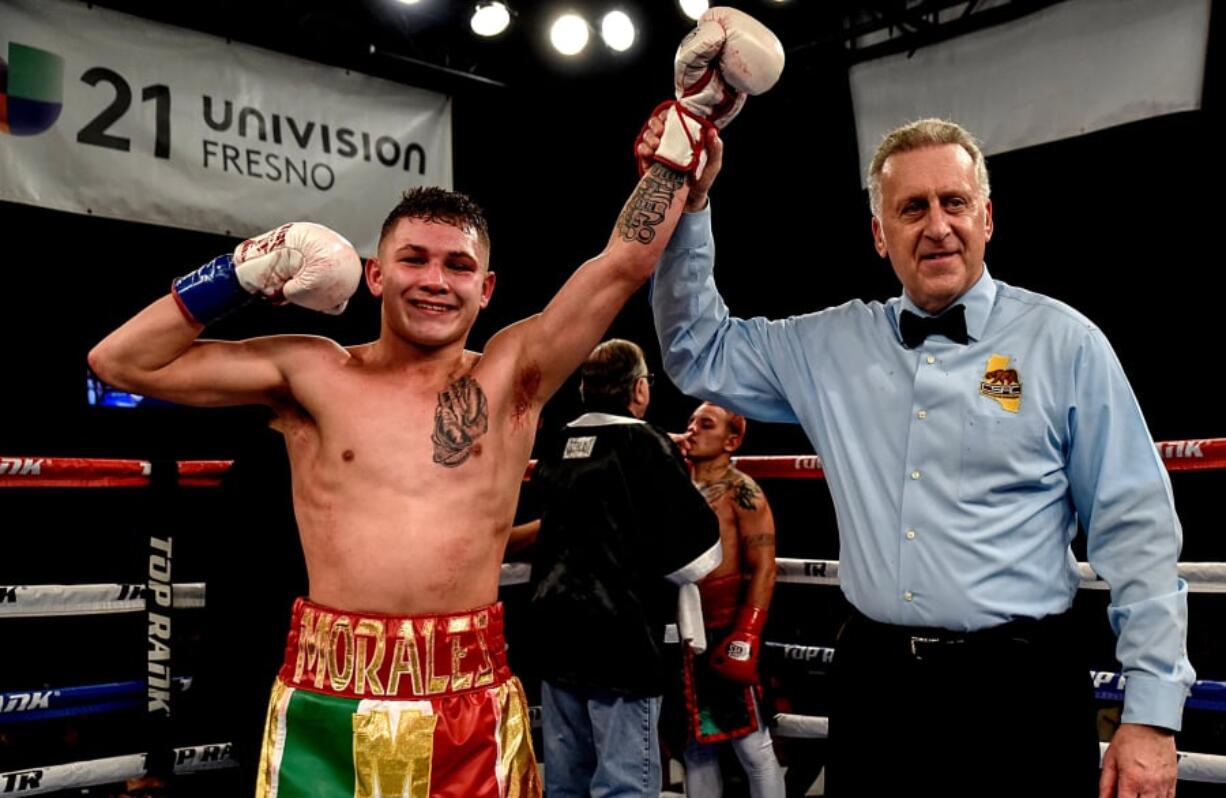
555	341
157	352
727	56
707	353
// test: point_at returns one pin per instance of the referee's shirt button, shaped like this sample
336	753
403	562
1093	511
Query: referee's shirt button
908	596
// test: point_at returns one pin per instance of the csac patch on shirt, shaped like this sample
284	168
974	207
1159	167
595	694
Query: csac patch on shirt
579	448
1001	383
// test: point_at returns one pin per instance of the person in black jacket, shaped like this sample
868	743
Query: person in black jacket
622	526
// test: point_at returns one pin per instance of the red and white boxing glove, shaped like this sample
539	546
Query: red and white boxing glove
736	657
728	56
303	263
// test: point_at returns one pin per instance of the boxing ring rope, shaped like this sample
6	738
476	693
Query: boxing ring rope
88	472
1188	455
1205	694
52	601
60	702
93	772
1209	768
1202	577
66	600
159	598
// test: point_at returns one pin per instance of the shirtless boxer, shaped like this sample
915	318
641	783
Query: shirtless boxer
407	453
406	456
722	690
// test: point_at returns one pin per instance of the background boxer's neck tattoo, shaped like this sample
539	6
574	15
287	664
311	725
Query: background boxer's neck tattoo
462	416
645	209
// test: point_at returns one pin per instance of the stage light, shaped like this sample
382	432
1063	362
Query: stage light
617	31
490	19
568	34
694	8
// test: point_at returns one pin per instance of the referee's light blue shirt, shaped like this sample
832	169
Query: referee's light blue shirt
958	472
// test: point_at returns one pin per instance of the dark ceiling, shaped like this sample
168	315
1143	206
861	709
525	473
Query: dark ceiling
430	44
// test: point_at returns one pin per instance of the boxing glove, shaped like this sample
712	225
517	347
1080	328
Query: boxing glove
303	263
736	657
728	56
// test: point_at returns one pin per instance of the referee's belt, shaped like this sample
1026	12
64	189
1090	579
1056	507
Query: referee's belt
932	644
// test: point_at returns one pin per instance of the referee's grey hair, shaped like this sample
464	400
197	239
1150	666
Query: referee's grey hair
918	134
608	376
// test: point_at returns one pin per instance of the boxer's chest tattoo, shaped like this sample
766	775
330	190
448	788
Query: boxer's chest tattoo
460	418
646	208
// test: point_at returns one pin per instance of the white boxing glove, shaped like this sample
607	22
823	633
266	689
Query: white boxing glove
303	263
728	56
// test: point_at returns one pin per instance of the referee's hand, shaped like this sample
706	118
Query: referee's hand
1139	763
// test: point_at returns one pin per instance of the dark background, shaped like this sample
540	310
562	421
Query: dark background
1122	224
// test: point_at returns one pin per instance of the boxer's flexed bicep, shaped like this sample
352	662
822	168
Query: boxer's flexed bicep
225	373
156	353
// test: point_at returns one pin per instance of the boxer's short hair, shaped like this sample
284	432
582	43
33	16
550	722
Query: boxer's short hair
433	204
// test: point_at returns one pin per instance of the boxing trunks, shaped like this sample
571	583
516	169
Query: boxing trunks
370	705
716	708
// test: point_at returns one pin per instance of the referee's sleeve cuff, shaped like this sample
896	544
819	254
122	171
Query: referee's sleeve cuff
1153	701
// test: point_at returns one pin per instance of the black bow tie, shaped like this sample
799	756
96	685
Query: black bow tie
951	324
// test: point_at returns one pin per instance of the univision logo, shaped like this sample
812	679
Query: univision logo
31	90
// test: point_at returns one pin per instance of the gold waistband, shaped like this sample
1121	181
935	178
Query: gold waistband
369	655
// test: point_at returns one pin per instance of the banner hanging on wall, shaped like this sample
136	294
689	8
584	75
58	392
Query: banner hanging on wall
106	114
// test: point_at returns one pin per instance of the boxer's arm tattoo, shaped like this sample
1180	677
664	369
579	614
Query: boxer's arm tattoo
646	208
758	541
461	417
747	495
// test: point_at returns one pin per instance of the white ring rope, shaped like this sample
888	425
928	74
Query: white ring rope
50	601
93	772
1192	766
1202	577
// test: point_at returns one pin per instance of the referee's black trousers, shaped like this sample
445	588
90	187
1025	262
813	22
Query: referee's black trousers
1007	711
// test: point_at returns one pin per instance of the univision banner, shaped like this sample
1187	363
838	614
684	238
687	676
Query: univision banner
106	114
